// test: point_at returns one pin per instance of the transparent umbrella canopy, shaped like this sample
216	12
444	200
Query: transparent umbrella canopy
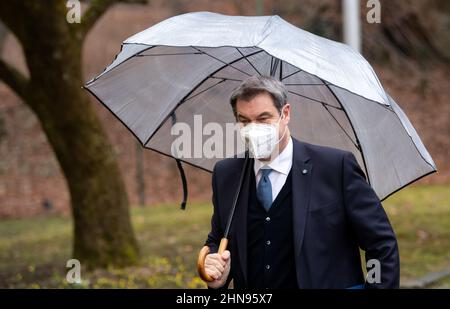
189	65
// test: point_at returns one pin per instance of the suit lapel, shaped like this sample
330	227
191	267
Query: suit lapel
301	187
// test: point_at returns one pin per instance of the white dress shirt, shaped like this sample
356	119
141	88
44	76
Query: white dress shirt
281	167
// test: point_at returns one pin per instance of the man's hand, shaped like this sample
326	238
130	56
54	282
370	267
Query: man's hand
218	267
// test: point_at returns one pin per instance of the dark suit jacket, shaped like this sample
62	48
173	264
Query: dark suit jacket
335	212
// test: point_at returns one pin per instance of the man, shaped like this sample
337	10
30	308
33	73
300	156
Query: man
304	211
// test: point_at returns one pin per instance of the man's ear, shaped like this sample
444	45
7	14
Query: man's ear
287	111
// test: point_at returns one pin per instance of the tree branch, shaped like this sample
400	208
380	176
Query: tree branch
12	14
96	10
14	79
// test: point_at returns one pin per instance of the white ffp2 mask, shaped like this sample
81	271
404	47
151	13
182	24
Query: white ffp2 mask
261	138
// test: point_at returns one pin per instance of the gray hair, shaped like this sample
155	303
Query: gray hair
255	85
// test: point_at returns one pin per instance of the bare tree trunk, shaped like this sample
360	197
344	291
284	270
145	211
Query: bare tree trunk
103	234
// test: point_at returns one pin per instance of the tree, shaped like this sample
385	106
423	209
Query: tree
103	234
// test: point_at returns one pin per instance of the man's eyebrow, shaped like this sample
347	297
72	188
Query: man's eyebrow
242	117
264	114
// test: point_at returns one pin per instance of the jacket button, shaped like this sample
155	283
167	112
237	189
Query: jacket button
268	242
267	219
267	267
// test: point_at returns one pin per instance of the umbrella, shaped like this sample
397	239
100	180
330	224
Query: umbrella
189	64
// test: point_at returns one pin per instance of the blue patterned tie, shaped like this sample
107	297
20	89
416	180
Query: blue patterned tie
264	190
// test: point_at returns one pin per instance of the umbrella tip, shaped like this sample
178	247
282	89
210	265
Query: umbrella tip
183	205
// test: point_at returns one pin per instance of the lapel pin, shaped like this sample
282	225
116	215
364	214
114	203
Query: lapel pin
305	171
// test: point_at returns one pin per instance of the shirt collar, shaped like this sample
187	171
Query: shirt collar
282	163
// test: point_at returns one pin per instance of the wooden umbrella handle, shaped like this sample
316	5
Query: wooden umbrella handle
202	256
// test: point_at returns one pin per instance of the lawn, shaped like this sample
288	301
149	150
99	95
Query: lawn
33	252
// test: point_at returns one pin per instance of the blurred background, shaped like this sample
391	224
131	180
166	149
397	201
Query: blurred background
42	225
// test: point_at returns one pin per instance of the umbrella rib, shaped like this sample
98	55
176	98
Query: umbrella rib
245	57
342	128
115	58
314	100
326	105
274	66
226	78
354	131
204	90
281	70
226	64
289	75
174	54
271	62
306	84
190	92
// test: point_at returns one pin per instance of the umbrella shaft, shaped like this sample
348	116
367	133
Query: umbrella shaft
236	197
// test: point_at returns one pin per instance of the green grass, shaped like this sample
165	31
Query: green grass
33	252
420	216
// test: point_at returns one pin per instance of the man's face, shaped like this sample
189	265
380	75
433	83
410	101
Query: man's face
261	109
